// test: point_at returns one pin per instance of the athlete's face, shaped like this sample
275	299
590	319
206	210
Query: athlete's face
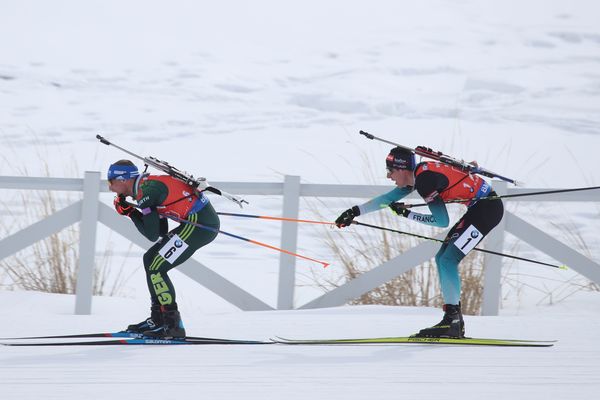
401	177
121	187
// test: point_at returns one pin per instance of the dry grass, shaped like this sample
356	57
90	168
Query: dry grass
550	286
368	248
359	253
51	264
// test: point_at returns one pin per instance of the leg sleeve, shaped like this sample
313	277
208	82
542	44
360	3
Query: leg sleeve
477	222
447	260
189	238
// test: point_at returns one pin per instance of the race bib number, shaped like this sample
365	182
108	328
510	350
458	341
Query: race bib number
468	240
173	249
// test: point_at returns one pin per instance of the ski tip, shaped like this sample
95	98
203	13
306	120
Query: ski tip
564	267
518	183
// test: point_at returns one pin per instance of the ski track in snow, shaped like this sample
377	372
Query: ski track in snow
568	369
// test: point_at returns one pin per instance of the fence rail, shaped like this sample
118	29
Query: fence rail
90	211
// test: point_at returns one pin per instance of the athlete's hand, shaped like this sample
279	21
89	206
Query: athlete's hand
122	206
347	217
400	209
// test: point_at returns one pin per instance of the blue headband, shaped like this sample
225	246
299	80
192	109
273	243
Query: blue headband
122	172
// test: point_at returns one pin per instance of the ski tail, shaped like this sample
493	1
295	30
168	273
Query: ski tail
121	334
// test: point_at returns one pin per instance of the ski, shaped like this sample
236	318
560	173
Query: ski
141	341
120	334
421	340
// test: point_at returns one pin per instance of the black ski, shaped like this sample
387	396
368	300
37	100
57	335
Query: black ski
141	341
120	334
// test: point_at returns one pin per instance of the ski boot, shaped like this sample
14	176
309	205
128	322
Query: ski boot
451	326
155	320
171	327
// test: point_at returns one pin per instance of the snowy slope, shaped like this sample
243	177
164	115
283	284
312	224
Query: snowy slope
568	370
509	84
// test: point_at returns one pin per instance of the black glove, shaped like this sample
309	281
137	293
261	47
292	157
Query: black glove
122	206
400	209
347	216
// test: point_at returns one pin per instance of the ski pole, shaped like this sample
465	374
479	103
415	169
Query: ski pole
308	221
209	228
508	196
476	248
268	246
441	157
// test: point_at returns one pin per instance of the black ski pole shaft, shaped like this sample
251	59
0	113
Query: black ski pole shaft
509	196
476	248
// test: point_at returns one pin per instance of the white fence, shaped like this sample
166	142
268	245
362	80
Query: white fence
90	211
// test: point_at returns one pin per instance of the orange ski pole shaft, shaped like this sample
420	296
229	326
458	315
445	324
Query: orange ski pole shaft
307	221
268	246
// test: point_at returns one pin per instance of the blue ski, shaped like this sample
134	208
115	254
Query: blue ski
120	334
140	341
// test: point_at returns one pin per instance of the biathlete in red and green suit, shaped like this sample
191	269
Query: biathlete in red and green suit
158	197
437	183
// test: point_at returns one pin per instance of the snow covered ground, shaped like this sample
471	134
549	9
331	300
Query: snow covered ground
568	370
252	91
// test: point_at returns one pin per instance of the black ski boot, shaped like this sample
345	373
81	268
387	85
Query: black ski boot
451	326
172	326
155	320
